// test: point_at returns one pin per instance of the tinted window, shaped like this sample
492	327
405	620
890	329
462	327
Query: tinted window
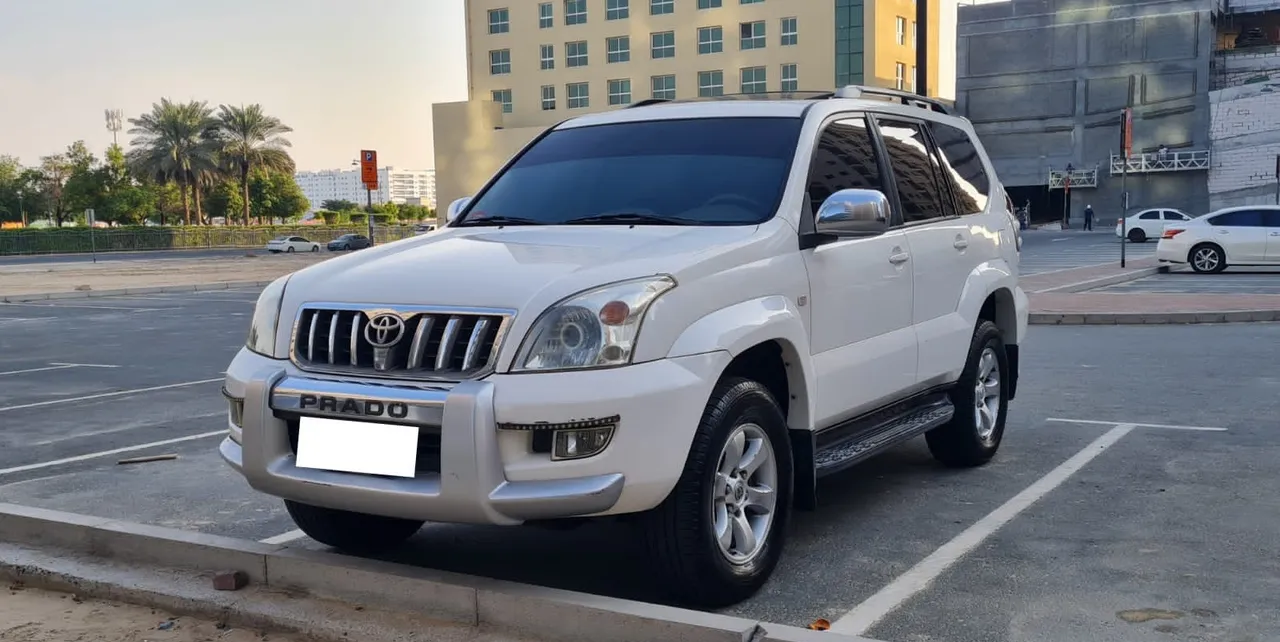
727	171
964	165
1173	216
913	171
844	159
1148	216
1238	218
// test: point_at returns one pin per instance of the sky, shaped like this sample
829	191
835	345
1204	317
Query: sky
346	75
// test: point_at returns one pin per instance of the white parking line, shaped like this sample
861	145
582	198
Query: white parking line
107	394
865	615
1134	423
284	538
107	453
56	366
86	307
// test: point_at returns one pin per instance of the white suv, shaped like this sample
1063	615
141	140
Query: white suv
683	313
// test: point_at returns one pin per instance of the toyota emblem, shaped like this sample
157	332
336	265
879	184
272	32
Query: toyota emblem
384	330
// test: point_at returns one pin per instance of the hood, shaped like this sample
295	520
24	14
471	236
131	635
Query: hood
507	267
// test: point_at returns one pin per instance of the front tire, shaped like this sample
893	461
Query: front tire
1207	258
354	532
315	248
289	250
981	400
718	536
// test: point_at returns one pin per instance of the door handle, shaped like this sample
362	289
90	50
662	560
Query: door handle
960	244
1223	232
1275	234
898	259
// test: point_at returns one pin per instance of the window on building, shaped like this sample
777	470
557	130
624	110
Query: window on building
546	16
579	95
960	157
920	189
547	56
661	7
899	75
575	54
790	35
915	78
844	158
750	1
709	4
499	20
575	12
500	62
913	35
664	87
901	30
752	34
617	9
710	83
620	91
754	80
617	49
503	97
663	44
710	40
548	97
790	77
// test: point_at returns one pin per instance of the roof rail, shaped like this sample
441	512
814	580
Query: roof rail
907	98
648	101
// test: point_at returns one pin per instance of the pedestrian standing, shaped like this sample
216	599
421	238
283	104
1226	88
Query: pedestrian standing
1088	217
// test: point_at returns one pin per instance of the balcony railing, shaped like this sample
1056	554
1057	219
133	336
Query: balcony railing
1079	178
1153	162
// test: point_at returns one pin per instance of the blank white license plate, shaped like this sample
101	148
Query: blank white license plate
357	447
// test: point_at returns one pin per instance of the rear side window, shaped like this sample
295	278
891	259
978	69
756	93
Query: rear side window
1238	218
1149	216
973	188
919	189
1174	216
844	159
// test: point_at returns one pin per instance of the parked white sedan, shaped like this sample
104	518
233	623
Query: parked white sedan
1149	224
291	244
1238	236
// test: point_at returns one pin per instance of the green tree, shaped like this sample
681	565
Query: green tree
225	201
55	171
275	196
250	139
338	205
174	143
10	189
416	213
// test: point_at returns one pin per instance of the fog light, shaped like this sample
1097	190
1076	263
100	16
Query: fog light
235	414
576	444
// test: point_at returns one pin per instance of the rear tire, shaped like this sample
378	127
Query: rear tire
1207	258
721	491
354	532
289	250
981	400
315	248
1137	235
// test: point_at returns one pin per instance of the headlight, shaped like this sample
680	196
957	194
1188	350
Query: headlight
592	329
266	316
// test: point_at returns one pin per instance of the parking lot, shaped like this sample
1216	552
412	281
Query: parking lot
1136	496
1232	281
1051	250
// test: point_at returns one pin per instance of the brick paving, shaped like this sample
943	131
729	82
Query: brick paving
1062	278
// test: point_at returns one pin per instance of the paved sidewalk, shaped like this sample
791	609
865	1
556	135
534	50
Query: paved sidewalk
36	282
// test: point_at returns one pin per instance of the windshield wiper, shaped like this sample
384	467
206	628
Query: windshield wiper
629	218
499	220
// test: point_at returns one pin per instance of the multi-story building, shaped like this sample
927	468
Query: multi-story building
533	63
400	186
1045	83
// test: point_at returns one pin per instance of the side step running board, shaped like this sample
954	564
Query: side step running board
837	456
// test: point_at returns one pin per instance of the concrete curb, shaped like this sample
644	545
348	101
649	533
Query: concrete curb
330	596
1154	318
87	294
1102	282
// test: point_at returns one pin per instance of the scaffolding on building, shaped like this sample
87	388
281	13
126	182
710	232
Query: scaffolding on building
1154	162
1079	178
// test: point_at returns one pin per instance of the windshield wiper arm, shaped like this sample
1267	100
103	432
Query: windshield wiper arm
629	217
499	220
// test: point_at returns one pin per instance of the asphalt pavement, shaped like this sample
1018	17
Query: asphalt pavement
103	257
1050	250
1150	515
1231	281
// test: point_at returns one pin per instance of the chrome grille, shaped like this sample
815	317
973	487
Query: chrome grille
429	343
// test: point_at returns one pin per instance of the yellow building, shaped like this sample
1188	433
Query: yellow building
534	63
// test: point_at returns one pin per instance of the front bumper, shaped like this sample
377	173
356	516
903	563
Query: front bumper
484	475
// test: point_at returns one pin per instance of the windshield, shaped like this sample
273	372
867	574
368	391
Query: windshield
727	171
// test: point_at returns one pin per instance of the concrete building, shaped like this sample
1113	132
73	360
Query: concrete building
533	63
1245	106
1044	82
400	186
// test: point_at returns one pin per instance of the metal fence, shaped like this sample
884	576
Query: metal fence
78	240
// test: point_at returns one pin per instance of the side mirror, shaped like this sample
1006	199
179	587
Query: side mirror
455	208
853	212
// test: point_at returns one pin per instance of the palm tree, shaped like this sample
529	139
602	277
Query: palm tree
249	139
173	143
